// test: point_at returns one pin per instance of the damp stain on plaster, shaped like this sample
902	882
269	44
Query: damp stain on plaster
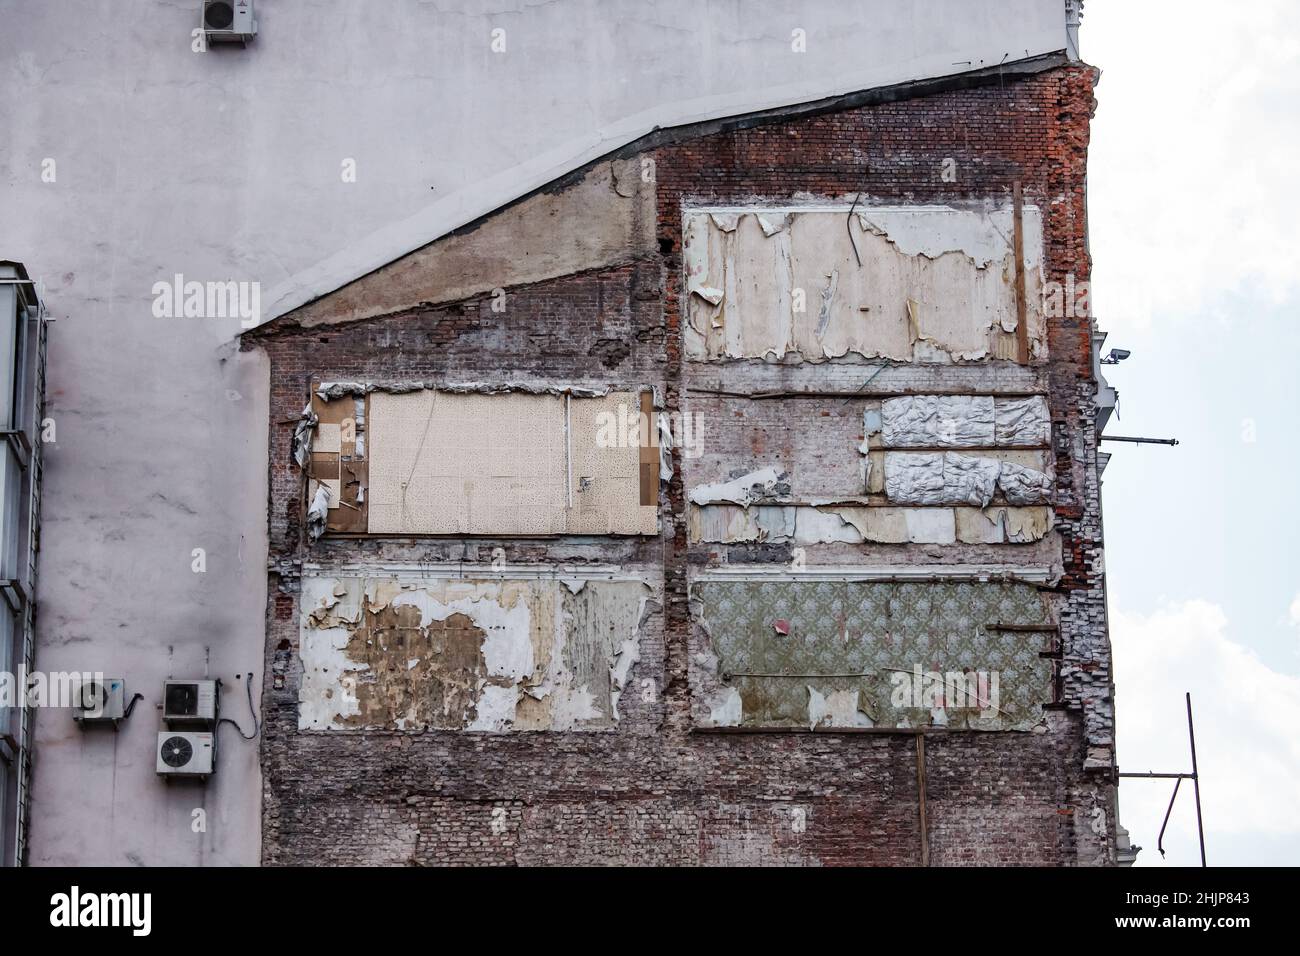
455	654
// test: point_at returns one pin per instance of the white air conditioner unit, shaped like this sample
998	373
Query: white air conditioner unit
100	701
229	21
184	754
190	703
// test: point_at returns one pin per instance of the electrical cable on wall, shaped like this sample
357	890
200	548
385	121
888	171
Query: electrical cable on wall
257	725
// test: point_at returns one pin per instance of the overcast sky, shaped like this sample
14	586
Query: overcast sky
1196	268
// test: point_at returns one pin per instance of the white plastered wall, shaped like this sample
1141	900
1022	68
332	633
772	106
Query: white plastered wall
228	165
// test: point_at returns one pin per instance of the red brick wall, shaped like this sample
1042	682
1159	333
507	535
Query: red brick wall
655	791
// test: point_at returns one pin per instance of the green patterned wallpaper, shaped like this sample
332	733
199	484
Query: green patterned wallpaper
893	633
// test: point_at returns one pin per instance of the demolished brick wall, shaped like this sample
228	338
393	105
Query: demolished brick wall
657	788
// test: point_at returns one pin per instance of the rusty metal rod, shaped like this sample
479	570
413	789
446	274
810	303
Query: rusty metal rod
858	393
1196	778
1139	441
1159	776
729	674
848	224
920	791
1160	840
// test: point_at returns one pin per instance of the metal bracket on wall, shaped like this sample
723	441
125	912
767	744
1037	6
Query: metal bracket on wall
1139	441
22	446
1194	776
14	594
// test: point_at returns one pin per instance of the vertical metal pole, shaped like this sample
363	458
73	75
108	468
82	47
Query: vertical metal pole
568	452
920	788
1196	778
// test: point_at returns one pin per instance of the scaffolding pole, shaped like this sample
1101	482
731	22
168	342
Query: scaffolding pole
1194	776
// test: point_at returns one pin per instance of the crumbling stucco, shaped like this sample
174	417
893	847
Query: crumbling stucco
741	490
936	284
457	654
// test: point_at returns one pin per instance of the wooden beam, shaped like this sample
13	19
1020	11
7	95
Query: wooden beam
1022	321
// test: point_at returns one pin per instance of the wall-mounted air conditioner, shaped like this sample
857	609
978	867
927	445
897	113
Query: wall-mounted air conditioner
100	701
190	703
229	21
184	753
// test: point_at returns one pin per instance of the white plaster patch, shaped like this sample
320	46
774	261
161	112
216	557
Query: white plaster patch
528	637
915	284
930	525
740	491
982	236
823	526
839	708
726	708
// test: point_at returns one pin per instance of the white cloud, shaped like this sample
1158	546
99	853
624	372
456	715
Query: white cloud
1192	162
1246	737
1293	614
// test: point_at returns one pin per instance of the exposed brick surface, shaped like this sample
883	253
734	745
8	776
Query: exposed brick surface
655	790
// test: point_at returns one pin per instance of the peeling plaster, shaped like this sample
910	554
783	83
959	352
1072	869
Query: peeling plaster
838	708
823	526
302	437
330	391
744	490
318	510
665	447
934	231
443	654
734	523
936	283
868	524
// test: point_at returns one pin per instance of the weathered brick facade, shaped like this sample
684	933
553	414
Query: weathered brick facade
657	789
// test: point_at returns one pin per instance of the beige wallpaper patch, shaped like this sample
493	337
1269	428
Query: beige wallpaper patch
445	463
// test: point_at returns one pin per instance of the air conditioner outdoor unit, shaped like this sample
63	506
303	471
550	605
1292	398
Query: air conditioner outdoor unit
229	21
190	703
100	701
184	754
